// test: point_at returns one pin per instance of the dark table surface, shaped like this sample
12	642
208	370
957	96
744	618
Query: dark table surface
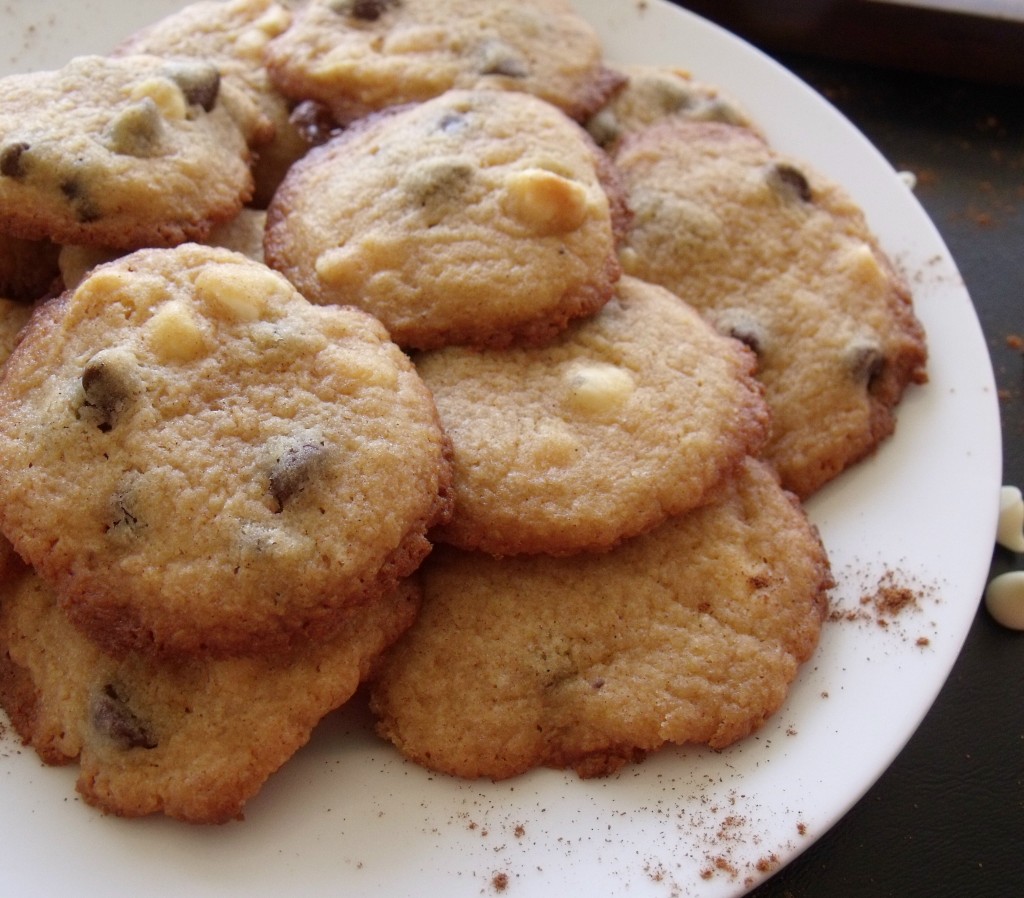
947	818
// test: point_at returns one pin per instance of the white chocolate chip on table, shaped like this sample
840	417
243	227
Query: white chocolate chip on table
1004	599
1010	532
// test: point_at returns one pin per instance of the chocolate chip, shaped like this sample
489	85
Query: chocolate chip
314	122
743	326
12	163
199	82
865	360
452	123
366	10
438	181
137	131
293	470
498	58
85	208
111	717
109	385
790	181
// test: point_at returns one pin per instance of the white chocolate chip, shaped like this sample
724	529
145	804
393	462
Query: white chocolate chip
598	387
1010	532
862	265
174	334
1004	599
237	292
546	202
167	96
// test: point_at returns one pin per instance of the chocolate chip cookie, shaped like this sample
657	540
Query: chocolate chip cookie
479	217
630	416
194	739
127	152
690	633
359	56
781	257
200	461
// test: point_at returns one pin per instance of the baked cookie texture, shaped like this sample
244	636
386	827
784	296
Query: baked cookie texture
121	152
233	35
691	633
478	217
195	740
200	461
631	415
359	56
652	94
780	257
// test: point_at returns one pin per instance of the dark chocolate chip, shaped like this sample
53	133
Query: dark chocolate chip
199	82
743	326
293	470
438	181
452	123
314	122
499	58
85	209
111	717
366	10
865	360
137	131
109	383
12	162
790	181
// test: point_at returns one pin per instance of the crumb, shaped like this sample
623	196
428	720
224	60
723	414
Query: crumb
923	641
500	882
1015	341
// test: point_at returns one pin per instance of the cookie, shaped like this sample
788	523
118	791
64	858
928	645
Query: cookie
243	234
232	35
195	740
691	633
123	152
479	217
28	268
359	56
200	461
779	256
631	415
652	94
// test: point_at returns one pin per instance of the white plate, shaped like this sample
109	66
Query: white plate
347	816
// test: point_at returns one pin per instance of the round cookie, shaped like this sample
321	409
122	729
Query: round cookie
195	740
122	152
201	461
780	257
478	217
690	633
233	35
629	416
653	94
360	56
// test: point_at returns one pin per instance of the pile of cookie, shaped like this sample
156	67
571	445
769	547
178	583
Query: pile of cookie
414	347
